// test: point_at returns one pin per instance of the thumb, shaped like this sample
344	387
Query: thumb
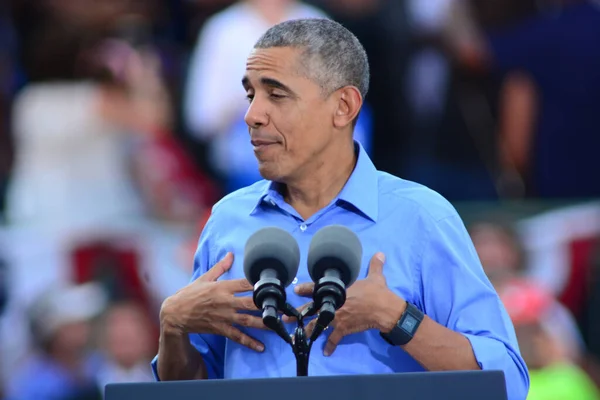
376	264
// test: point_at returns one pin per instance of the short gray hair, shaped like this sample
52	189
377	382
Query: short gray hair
332	56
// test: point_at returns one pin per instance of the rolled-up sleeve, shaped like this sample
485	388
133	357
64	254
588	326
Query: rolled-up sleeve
457	294
210	347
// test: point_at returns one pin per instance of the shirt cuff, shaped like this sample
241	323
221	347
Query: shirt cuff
154	365
493	354
489	353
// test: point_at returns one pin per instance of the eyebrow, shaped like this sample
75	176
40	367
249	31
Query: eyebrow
274	83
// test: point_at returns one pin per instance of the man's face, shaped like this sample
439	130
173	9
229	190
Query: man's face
499	258
290	120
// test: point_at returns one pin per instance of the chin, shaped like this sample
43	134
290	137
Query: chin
270	172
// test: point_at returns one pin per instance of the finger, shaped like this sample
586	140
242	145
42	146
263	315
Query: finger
237	336
310	327
286	318
237	285
249	321
304	289
219	268
376	264
333	341
245	303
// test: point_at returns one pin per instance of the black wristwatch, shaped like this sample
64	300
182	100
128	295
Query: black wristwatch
406	327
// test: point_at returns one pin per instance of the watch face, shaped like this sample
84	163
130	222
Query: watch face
409	323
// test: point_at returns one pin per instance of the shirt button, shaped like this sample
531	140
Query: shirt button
295	281
303	227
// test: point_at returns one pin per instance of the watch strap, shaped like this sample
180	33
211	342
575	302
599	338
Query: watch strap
406	327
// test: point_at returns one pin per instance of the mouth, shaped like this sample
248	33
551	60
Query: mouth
260	144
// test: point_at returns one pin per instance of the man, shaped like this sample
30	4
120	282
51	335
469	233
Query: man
306	80
214	104
551	71
62	366
554	374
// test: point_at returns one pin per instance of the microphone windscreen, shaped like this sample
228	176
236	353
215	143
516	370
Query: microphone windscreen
335	246
271	248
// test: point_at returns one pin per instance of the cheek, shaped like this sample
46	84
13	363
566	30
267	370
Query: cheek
301	127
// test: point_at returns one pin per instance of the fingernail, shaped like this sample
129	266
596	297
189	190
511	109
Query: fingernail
260	348
286	319
380	257
326	353
297	289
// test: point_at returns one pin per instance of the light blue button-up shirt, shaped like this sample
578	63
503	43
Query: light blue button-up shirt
430	262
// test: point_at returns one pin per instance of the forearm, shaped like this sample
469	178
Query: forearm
518	109
438	348
177	358
434	346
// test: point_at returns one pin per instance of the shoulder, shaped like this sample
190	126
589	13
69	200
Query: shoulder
38	104
411	198
39	95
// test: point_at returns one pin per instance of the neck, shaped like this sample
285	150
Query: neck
322	182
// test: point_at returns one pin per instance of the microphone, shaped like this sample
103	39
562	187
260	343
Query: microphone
271	260
334	260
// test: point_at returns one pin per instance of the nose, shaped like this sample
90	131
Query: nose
257	114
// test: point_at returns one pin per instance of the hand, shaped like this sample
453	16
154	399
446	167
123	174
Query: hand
370	304
209	306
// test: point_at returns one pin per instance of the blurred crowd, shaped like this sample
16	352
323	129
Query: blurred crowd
121	123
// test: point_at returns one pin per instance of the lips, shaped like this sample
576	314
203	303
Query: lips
262	142
261	145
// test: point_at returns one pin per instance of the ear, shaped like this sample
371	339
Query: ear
349	103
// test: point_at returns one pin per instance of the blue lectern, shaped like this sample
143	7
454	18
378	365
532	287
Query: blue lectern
455	385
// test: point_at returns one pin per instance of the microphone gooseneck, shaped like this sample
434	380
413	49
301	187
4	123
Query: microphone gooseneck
271	260
334	261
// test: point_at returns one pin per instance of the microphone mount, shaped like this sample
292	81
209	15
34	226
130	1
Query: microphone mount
300	343
328	296
269	295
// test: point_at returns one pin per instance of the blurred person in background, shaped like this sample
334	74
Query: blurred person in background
8	74
215	104
127	345
549	123
553	375
453	110
504	262
69	168
62	366
4	296
93	124
590	320
499	249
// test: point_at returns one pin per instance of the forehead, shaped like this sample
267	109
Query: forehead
281	61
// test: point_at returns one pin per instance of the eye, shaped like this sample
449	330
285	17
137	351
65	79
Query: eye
277	96
249	97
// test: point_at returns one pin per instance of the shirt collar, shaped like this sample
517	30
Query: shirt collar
361	190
